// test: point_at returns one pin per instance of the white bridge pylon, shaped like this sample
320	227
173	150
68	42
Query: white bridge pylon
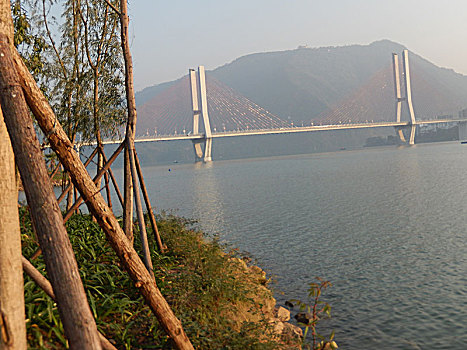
408	95
199	104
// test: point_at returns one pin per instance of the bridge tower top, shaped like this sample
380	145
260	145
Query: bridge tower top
199	103
408	85
408	93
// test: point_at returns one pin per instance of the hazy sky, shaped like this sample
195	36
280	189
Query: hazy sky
171	36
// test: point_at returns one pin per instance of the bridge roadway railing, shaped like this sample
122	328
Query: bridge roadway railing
284	130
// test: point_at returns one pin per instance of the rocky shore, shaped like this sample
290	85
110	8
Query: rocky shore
277	317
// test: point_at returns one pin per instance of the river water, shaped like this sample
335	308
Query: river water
387	226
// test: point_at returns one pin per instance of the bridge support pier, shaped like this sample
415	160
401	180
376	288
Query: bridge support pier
208	150
462	131
400	133
412	134
199	152
203	154
198	83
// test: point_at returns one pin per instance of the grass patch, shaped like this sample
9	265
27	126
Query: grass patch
212	293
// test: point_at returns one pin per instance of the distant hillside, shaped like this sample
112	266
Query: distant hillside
326	84
305	81
150	92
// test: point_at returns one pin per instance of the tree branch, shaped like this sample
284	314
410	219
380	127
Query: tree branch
65	75
113	7
86	42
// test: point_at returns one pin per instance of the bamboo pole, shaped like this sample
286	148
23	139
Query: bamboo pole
152	218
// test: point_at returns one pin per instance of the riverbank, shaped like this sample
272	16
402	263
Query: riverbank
221	300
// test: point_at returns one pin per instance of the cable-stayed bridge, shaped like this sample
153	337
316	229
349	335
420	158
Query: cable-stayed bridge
218	111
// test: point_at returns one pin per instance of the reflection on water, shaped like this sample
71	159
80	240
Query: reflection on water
207	201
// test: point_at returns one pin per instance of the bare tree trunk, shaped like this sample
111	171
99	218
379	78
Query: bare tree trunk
131	105
80	327
97	206
12	321
12	318
131	129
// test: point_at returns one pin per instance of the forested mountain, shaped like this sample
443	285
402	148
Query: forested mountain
328	84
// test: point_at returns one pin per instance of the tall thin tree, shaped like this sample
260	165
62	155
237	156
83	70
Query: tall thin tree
12	318
104	60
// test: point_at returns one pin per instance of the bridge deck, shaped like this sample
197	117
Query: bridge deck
291	130
284	130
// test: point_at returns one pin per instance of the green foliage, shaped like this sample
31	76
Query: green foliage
198	280
316	310
105	99
29	41
111	295
71	57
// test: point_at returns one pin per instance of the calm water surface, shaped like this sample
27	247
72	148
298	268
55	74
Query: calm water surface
386	226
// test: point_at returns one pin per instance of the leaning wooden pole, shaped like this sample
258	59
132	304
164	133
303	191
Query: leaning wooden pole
106	179
45	285
107	189
70	185
97	206
152	218
54	172
80	327
139	210
131	107
127	196
117	189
